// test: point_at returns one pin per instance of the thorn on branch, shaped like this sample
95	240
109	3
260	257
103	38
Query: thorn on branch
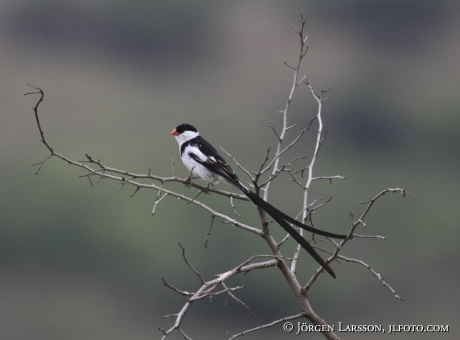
325	91
306	49
122	185
302	171
135	191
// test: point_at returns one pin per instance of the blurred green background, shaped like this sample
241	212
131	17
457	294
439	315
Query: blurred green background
82	262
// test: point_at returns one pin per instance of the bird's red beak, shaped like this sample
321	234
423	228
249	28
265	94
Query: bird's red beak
174	133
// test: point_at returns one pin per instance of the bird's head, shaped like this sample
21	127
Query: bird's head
184	133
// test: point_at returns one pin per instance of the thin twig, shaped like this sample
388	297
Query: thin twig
233	206
377	275
293	317
205	242
230	294
238	164
190	265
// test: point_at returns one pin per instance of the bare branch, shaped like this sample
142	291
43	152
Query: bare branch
263	164
280	152
295	82
35	108
230	294
40	164
186	337
377	275
207	288
233	206
238	164
293	179
292	68
205	242
309	180
190	265
369	236
42	135
295	29
181	292
158	200
274	131
351	234
311	211
293	317
372	201
180	316
330	178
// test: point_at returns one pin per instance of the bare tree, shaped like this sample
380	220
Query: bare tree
272	166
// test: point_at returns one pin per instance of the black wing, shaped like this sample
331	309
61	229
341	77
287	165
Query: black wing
214	162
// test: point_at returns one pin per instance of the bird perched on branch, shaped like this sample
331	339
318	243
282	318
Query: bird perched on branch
203	160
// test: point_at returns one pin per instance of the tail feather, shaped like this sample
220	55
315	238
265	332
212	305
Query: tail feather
308	228
281	218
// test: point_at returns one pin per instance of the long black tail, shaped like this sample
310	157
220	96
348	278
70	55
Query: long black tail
281	218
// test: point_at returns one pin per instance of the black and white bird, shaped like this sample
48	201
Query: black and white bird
203	160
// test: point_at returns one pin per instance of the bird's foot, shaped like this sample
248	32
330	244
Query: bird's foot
206	189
